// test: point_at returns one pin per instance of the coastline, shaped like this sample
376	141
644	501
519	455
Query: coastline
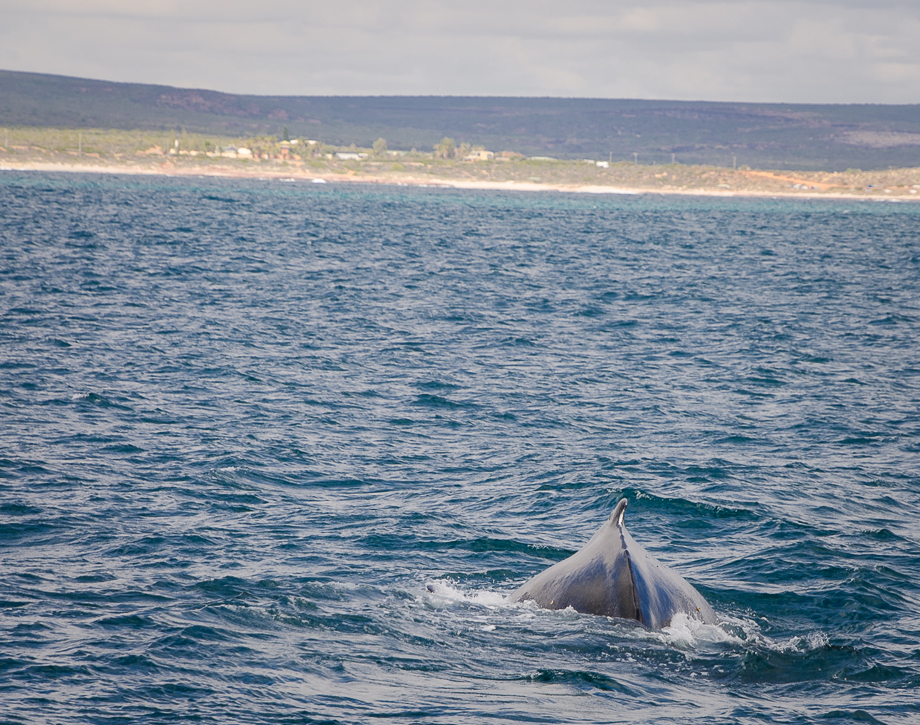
398	179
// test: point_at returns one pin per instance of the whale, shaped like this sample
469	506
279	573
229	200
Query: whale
613	576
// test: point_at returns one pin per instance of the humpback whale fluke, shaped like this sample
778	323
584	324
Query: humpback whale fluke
612	575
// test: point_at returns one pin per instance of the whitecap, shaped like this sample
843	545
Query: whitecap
687	631
447	592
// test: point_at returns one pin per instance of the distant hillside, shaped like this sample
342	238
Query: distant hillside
776	136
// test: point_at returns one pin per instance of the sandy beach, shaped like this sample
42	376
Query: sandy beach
762	183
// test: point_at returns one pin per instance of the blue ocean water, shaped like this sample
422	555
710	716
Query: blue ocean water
244	426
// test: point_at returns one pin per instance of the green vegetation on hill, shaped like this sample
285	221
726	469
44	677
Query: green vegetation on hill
778	136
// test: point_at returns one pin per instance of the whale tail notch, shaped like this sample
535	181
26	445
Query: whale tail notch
618	513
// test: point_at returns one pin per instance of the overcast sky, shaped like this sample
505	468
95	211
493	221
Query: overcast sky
805	51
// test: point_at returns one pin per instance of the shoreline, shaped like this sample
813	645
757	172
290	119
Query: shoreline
298	174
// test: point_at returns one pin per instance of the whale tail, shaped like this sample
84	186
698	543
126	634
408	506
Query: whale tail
613	575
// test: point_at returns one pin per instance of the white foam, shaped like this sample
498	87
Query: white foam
689	632
808	643
684	633
750	634
449	593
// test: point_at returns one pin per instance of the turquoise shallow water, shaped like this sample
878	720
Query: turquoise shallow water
246	424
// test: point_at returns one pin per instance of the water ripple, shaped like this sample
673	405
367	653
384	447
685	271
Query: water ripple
279	452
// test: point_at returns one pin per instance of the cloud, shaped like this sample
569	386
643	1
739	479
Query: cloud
742	50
